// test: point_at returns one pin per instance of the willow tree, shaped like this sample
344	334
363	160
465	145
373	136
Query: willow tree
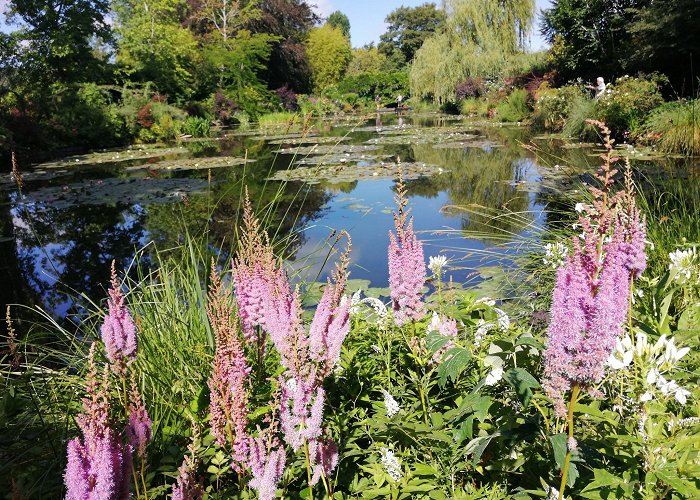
481	38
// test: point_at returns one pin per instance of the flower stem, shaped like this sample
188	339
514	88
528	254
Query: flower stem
308	468
570	425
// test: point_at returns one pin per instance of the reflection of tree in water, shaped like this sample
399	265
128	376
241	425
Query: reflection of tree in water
480	183
68	251
282	207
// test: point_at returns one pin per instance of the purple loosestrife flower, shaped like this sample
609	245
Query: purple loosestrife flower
118	330
140	429
324	456
227	383
99	465
267	461
588	311
406	265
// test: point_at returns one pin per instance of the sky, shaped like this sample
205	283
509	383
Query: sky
367	17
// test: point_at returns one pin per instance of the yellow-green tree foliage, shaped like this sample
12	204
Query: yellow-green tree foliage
481	38
366	60
329	54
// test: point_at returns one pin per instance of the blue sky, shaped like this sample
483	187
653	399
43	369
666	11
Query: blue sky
367	17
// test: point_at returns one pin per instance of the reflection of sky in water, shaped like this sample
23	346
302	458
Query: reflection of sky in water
482	175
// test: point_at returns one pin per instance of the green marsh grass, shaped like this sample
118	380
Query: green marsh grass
675	127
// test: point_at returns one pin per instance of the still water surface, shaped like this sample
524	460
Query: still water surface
74	216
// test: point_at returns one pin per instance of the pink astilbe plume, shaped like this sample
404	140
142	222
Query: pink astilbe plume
227	383
324	458
267	460
99	465
406	264
187	487
301	410
139	431
256	274
331	322
118	330
590	302
446	327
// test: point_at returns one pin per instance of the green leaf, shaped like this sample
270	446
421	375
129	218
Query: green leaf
424	470
478	445
530	341
454	363
522	382
435	341
559	447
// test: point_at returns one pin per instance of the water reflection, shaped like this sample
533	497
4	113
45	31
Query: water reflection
67	247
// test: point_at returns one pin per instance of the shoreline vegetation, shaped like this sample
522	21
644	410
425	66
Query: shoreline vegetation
209	371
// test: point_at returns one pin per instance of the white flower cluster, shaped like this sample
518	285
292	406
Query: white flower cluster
392	407
657	359
683	423
483	327
685	265
555	255
373	303
436	264
391	464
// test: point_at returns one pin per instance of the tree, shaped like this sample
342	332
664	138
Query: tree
153	46
482	38
408	28
590	37
339	20
329	55
366	60
55	37
291	20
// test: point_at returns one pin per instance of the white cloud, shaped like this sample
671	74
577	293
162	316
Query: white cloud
323	7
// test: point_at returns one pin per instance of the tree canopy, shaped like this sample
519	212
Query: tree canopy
329	55
480	38
339	20
408	28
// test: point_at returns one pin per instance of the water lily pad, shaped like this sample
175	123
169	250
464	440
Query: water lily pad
320	149
114	190
96	158
349	173
193	163
308	140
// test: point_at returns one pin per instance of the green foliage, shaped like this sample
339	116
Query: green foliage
340	21
675	127
554	106
366	60
408	28
581	108
329	55
369	85
196	126
514	108
480	39
626	104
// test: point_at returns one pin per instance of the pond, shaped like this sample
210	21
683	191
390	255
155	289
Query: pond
75	215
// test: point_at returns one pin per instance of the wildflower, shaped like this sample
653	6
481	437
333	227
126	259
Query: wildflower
571	443
375	304
436	264
118	330
139	431
301	410
324	455
99	465
555	255
391	464
406	265
633	226
392	407
227	383
684	265
267	461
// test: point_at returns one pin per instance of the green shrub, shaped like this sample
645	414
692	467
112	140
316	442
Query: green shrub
553	106
675	127
196	126
369	85
581	109
625	105
514	108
